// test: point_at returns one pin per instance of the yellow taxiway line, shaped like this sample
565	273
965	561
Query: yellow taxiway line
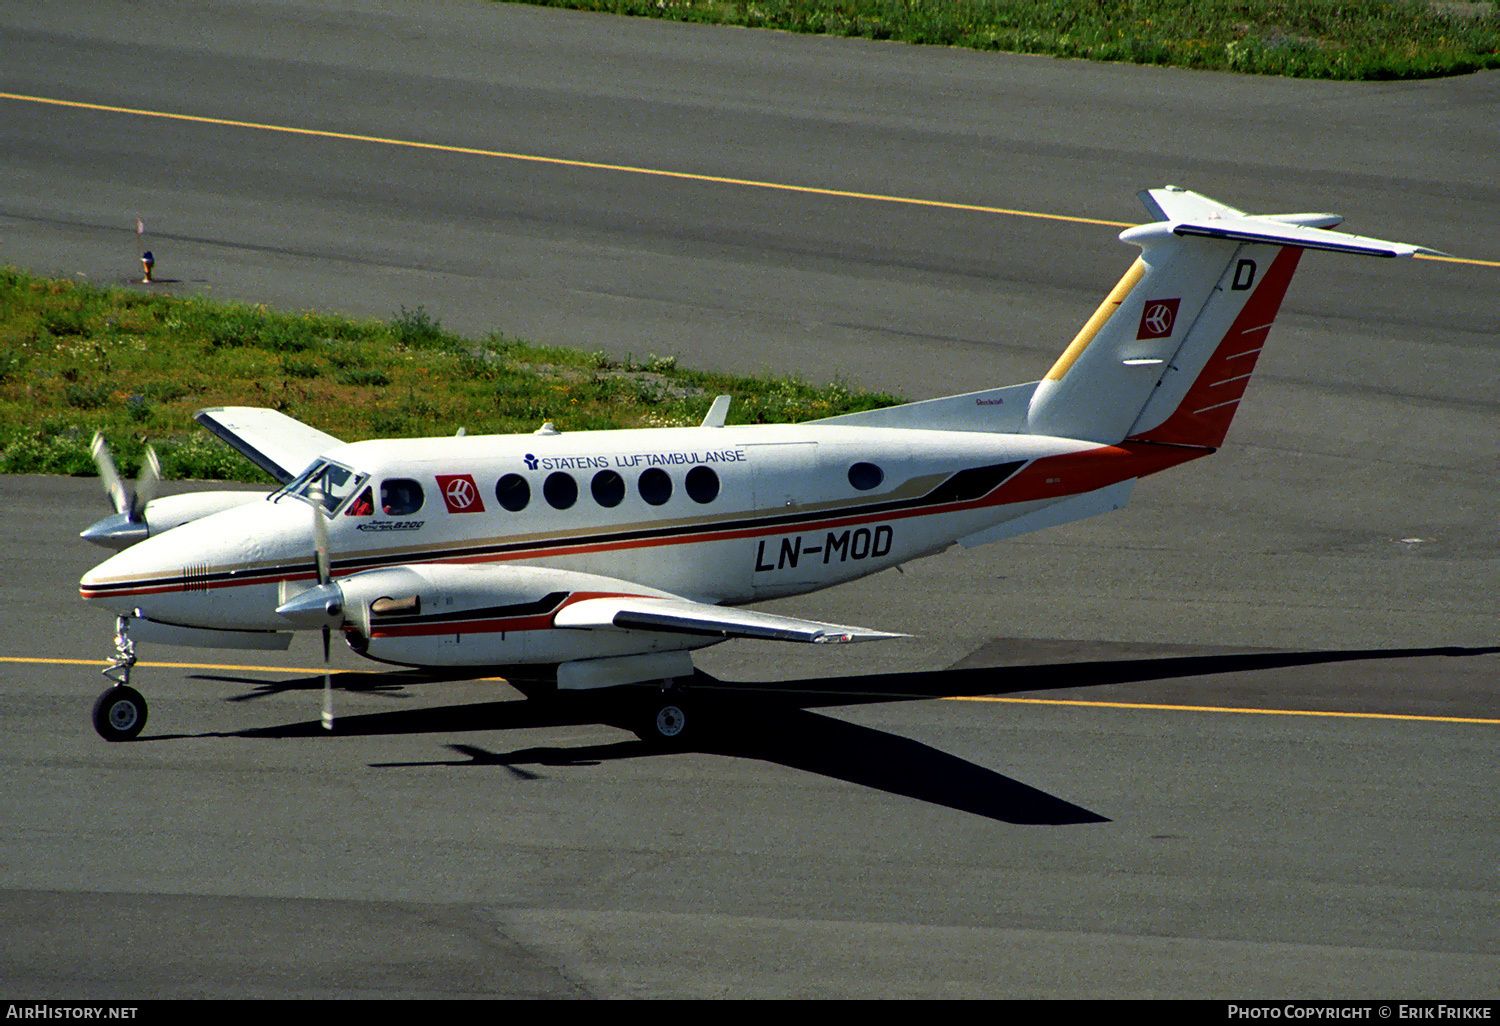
1147	706
177	666
558	161
622	168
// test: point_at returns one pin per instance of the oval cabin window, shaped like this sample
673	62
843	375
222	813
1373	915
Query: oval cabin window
865	476
608	488
655	486
702	484
513	492
560	490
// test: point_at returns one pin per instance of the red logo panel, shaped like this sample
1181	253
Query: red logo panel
1157	318
460	493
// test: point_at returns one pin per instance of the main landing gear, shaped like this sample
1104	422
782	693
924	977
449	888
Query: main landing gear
120	712
667	720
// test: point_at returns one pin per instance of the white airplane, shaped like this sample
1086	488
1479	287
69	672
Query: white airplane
606	557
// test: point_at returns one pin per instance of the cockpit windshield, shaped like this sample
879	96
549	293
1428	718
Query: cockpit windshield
326	482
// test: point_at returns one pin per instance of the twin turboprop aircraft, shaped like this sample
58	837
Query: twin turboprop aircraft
606	557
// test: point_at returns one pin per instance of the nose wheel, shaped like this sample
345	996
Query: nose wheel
120	712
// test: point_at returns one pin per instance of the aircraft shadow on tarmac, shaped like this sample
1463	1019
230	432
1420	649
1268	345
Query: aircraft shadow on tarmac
775	722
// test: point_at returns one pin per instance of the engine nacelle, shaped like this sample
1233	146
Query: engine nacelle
120	531
454	614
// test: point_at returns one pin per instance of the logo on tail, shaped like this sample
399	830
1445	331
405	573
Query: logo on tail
1157	319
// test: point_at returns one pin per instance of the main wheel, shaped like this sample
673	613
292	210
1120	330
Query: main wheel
666	722
120	713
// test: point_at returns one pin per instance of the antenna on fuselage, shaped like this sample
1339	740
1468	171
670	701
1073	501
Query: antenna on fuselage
717	412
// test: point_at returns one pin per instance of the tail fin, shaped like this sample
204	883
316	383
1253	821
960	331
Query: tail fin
1167	356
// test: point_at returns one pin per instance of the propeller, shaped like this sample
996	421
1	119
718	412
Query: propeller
322	605
128	525
332	608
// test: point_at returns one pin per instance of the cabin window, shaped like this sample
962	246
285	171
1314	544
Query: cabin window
865	476
655	486
513	492
608	488
560	490
702	484
400	496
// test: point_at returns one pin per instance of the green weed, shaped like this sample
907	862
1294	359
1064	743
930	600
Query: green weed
138	365
1335	39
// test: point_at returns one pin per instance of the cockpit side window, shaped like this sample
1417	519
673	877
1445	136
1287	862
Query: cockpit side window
362	506
326	483
400	496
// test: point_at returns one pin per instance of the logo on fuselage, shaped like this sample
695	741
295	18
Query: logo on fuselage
390	525
460	493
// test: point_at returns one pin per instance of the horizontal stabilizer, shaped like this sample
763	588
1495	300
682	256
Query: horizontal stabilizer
278	444
1193	214
1176	204
1282	233
684	616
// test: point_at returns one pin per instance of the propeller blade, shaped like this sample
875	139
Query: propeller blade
146	484
320	540
320	535
127	500
327	684
109	474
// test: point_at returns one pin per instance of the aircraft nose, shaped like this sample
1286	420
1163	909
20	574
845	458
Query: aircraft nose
221	571
122	581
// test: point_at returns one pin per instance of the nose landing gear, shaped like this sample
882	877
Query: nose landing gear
120	712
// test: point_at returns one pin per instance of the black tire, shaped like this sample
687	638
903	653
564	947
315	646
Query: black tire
667	723
120	713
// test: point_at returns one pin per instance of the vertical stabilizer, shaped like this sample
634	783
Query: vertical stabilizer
1097	388
1167	356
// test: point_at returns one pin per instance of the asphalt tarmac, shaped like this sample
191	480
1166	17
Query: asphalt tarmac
1233	741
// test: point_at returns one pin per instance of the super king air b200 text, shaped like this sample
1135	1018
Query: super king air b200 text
607	557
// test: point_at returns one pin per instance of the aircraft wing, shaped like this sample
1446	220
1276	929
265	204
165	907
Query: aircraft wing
279	445
684	616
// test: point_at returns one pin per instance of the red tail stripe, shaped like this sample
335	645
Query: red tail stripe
1204	414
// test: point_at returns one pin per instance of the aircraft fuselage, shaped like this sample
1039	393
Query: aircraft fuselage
720	515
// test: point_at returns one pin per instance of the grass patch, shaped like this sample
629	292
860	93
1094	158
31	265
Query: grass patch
1331	39
75	359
